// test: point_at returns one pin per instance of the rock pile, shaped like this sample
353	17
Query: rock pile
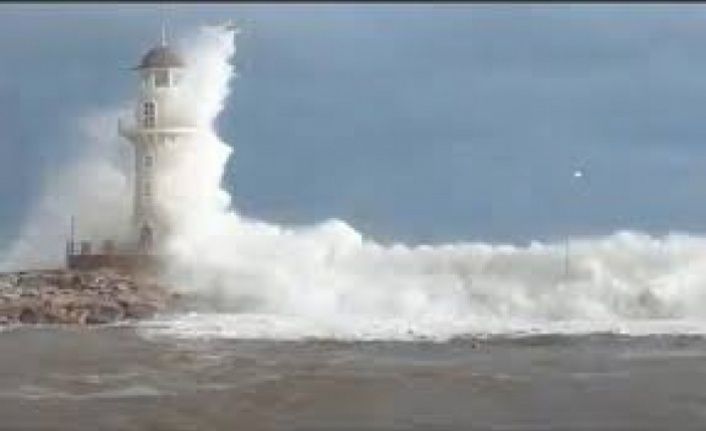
78	297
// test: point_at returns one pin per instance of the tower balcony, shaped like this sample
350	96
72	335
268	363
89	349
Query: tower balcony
131	130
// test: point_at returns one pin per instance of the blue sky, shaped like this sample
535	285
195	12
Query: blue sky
419	123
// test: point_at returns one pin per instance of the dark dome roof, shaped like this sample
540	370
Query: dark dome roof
161	56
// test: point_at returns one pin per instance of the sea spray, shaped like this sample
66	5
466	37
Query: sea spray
93	187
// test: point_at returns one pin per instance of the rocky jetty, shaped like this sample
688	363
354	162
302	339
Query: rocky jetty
79	297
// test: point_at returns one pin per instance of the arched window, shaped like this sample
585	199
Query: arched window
149	114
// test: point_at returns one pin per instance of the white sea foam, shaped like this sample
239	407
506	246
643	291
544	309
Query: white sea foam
328	281
249	326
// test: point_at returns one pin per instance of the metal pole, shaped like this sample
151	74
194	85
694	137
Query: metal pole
566	257
71	238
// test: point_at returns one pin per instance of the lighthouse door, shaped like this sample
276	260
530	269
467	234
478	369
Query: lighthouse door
146	239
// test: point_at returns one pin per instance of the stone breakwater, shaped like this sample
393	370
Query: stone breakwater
79	297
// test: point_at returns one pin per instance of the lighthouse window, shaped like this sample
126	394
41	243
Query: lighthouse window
148	114
148	189
161	78
148	161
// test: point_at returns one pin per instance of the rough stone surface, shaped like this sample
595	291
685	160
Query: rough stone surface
79	297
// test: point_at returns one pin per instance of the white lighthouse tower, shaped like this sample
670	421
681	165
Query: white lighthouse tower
157	128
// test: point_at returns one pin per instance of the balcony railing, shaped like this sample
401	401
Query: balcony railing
130	128
105	247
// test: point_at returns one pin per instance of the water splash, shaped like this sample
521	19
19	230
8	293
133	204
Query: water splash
328	279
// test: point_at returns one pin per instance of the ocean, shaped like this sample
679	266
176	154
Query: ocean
130	377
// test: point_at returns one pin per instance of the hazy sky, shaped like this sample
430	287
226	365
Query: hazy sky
412	122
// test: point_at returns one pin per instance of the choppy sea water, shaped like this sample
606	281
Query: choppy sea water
137	377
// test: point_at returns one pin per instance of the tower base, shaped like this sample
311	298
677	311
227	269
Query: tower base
129	263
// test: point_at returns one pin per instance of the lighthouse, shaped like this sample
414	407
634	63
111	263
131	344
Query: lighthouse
158	127
155	131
